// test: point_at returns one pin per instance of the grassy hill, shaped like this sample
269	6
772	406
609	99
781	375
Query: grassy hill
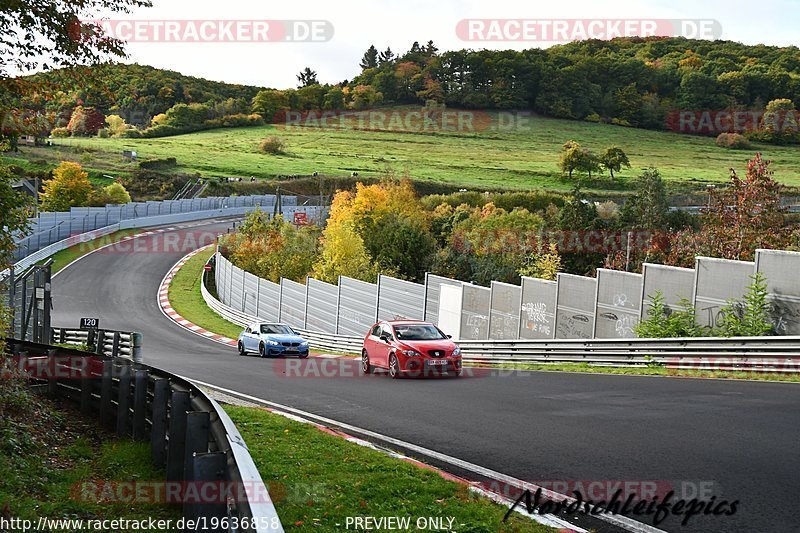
521	159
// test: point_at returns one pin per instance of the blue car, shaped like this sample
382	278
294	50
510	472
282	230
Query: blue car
269	339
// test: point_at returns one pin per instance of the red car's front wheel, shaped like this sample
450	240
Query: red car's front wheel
394	367
366	368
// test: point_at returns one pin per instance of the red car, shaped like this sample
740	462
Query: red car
409	347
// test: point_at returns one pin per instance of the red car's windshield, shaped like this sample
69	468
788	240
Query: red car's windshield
414	332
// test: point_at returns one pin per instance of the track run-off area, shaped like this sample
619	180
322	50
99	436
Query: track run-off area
722	439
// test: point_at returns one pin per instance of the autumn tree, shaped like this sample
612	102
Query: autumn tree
744	216
117	127
69	187
111	194
542	265
272	248
85	121
576	158
613	159
56	33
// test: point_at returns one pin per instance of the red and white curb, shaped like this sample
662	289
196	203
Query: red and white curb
172	314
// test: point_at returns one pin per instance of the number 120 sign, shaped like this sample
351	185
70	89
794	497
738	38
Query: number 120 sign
90	323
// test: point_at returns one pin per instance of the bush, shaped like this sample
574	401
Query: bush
733	141
60	132
156	164
774	137
749	318
664	322
272	145
102	133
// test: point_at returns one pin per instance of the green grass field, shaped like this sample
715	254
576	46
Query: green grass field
522	158
318	480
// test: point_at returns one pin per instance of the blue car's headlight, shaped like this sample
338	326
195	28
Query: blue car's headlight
271	342
304	343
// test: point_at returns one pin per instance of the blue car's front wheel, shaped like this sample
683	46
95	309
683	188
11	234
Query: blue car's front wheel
242	351
262	350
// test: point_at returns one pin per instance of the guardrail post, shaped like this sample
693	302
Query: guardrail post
52	373
62	336
158	431
197	428
87	385
136	347
123	401
105	392
208	468
177	435
140	403
99	341
115	346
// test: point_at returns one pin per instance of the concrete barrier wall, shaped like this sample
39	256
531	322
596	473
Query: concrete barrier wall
717	281
676	284
575	306
504	311
476	304
323	306
619	300
537	316
400	299
782	270
358	303
293	303
433	284
269	297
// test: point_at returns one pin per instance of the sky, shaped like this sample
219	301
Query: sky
358	23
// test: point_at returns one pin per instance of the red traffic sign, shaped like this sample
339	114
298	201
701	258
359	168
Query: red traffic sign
207	268
300	219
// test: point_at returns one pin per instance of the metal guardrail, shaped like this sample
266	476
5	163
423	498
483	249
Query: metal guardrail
190	435
102	341
753	354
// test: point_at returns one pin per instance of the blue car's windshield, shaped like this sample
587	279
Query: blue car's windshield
418	333
276	329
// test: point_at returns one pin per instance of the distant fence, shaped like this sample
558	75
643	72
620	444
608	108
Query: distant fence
573	307
190	435
53	232
49	228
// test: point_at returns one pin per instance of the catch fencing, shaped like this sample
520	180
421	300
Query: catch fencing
608	306
190	435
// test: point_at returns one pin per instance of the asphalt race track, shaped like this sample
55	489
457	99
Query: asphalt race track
739	440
